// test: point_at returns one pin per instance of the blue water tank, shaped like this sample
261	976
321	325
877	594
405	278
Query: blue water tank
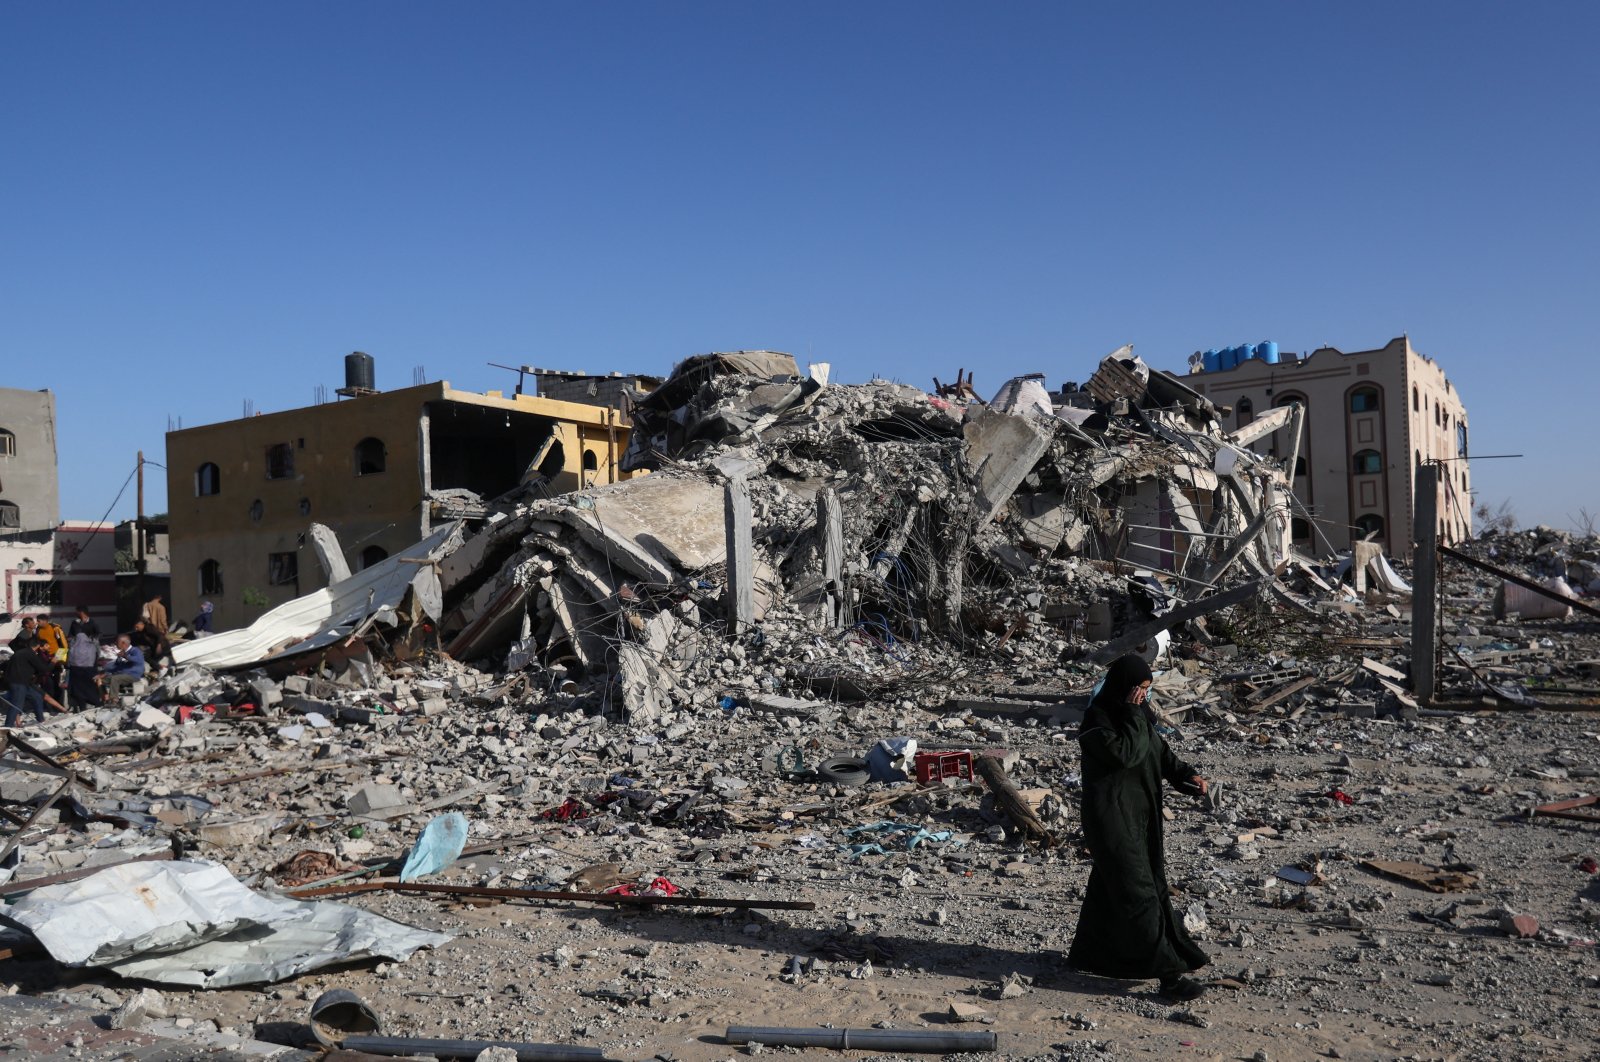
1225	359
1211	361
1267	352
1238	355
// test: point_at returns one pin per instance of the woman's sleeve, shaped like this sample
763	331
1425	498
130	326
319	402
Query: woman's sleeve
1173	769
1121	743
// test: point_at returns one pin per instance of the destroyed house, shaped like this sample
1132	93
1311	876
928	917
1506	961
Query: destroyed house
1372	419
381	469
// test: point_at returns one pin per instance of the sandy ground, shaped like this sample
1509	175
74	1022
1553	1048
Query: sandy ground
1346	968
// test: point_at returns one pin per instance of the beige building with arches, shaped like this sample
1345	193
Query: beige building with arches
1372	418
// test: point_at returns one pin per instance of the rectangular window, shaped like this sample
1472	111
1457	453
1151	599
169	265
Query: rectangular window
283	568
39	592
280	461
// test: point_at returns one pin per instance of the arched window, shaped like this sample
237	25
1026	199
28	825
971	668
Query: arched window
1364	401
373	555
210	577
1246	411
8	444
370	457
1300	528
257	511
1416	400
10	515
1370	525
590	461
207	480
1300	466
1366	462
1461	439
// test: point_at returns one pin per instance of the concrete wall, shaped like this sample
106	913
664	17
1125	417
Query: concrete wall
431	437
592	390
28	476
1341	497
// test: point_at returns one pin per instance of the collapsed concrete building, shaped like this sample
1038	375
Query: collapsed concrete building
777	500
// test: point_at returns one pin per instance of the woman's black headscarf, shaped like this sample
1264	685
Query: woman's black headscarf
1122	677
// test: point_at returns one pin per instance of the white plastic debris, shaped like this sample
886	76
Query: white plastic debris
191	922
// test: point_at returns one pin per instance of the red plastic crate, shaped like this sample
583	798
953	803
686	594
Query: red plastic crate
937	766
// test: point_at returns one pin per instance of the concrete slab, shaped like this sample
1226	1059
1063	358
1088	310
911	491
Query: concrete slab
1002	449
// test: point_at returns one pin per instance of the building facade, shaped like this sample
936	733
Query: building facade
50	573
380	469
1372	419
29	496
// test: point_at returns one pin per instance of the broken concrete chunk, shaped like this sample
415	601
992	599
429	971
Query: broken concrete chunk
373	797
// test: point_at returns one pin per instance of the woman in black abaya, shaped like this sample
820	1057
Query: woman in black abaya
1127	927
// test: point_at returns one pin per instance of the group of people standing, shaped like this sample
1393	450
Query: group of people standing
52	667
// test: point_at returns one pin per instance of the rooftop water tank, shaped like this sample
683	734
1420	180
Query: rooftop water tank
1267	352
359	373
1211	360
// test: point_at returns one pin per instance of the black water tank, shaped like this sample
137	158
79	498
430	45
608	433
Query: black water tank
359	374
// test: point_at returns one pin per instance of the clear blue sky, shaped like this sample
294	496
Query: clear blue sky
204	203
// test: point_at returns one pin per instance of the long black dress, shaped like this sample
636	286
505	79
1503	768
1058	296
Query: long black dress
1127	927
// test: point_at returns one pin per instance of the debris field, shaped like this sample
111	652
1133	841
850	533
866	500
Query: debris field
783	734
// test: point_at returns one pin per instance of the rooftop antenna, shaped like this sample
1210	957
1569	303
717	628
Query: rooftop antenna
321	394
419	376
249	408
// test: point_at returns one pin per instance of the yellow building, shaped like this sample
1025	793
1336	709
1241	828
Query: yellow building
1373	418
380	469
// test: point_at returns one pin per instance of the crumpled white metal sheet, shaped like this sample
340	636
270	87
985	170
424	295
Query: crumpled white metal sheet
190	922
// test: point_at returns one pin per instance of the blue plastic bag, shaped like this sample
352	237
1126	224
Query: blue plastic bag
440	845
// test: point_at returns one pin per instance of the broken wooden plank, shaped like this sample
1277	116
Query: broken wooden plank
1382	670
1434	879
1011	800
1571	809
1284	693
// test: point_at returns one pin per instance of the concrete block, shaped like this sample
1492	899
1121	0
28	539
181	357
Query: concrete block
373	797
239	832
149	718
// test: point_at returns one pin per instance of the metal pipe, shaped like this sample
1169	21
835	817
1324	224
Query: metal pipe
419	888
1179	531
924	1041
405	1045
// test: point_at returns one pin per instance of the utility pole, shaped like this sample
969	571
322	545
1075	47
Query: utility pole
138	537
1424	584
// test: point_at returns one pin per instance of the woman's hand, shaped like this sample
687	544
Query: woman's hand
1200	783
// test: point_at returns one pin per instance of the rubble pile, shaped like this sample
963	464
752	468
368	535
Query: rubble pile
860	782
888	529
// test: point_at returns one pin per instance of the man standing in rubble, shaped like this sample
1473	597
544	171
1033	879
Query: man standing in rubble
1127	928
25	672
